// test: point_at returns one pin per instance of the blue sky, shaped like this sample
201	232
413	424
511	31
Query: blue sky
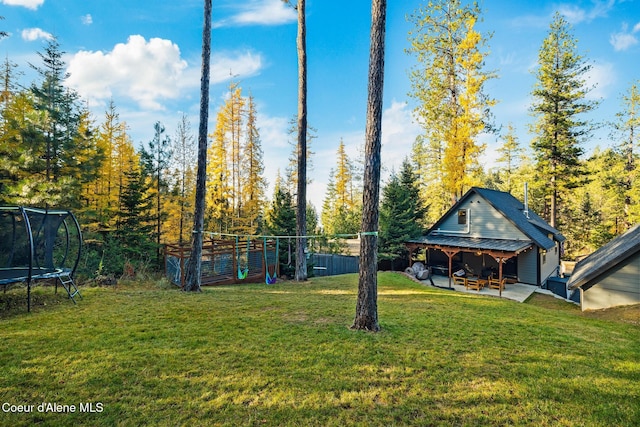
145	55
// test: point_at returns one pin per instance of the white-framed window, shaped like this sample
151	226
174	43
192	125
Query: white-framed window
462	216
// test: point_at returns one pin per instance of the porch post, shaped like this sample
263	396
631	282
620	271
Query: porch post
450	255
500	261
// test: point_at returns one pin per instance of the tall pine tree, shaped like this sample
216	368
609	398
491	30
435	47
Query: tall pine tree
401	214
155	159
559	101
68	157
627	132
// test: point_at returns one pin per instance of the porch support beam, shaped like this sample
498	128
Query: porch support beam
450	254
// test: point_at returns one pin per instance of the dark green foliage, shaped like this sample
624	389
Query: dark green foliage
102	255
281	221
135	225
155	161
401	215
559	101
49	151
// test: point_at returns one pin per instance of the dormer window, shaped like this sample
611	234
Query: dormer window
462	216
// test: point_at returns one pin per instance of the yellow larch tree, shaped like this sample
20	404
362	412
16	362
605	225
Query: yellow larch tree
219	210
448	83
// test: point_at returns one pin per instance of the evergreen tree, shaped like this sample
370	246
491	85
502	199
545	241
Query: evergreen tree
281	221
21	147
627	131
401	214
136	224
155	160
253	183
281	216
327	205
510	157
559	100
291	172
301	146
69	157
8	83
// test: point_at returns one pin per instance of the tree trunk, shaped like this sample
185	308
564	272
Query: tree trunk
367	303
193	279
301	206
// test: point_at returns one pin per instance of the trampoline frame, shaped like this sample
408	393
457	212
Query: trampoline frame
32	271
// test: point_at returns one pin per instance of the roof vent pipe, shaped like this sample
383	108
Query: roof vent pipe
526	199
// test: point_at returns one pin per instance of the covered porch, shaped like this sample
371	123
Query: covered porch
484	261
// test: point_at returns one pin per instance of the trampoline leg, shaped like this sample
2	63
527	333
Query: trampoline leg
29	296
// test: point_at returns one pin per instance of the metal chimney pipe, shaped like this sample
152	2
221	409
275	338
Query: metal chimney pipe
526	199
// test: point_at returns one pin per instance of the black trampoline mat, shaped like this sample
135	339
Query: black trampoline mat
20	274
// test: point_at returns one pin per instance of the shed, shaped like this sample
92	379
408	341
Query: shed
610	276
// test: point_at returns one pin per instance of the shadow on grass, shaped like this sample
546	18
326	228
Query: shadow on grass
284	355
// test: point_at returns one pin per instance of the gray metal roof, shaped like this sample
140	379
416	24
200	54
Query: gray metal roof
607	257
498	245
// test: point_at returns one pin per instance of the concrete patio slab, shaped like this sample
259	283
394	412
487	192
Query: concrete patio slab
516	292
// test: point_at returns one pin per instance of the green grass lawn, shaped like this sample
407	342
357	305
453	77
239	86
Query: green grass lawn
284	355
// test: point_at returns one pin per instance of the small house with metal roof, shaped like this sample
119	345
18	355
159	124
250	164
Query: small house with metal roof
490	232
610	276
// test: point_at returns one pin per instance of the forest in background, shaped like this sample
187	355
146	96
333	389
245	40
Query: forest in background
131	198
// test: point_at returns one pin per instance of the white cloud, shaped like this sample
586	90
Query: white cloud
274	131
33	34
143	71
225	66
87	19
261	12
621	41
399	131
573	13
29	4
624	39
576	14
602	77
274	136
149	71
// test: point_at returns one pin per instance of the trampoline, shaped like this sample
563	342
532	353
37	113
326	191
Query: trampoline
39	244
